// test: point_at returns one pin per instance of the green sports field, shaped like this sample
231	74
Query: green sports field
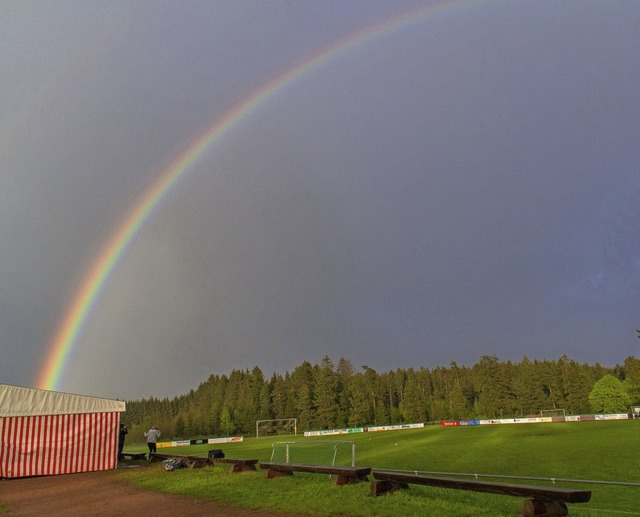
597	451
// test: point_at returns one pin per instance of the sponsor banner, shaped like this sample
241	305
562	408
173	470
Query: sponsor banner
393	427
527	420
199	441
228	439
181	443
613	416
330	432
537	420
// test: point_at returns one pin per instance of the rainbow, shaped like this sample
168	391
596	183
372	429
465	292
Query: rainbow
66	337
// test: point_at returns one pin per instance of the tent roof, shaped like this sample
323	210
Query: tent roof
19	401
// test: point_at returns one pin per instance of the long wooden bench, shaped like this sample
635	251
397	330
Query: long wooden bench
541	500
133	455
237	464
192	461
343	475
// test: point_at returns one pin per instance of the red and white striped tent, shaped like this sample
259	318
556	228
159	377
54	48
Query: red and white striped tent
47	432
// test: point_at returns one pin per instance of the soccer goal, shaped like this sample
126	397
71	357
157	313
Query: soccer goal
315	452
276	426
553	412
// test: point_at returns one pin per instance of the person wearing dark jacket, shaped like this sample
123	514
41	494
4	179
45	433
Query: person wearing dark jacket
121	435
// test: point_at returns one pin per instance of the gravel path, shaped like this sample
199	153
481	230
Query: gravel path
99	494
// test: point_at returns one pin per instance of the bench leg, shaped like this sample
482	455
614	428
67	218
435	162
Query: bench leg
348	480
239	467
278	473
383	486
133	457
541	508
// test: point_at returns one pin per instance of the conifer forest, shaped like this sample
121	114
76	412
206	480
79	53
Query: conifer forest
338	395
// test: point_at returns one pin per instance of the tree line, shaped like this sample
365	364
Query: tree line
332	396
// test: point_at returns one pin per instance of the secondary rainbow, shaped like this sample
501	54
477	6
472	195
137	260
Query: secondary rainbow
85	299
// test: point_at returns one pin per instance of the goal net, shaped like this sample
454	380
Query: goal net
276	426
553	412
315	452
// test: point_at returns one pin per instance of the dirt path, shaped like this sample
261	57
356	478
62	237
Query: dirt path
99	494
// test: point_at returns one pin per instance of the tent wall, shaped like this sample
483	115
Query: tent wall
58	444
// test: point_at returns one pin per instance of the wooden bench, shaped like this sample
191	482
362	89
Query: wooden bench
344	475
133	455
237	464
194	462
541	500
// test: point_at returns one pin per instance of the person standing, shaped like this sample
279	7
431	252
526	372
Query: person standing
121	435
152	438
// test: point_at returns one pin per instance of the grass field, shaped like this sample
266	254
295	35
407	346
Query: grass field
602	451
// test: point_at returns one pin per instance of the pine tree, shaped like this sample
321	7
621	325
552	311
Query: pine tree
278	390
360	413
528	388
631	381
226	422
344	373
576	385
414	403
325	395
301	392
493	383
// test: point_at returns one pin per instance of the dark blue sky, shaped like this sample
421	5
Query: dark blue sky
465	185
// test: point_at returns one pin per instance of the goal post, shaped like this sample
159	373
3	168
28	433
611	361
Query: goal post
277	426
315	452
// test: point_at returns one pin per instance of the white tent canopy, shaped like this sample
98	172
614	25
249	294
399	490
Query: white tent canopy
19	401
